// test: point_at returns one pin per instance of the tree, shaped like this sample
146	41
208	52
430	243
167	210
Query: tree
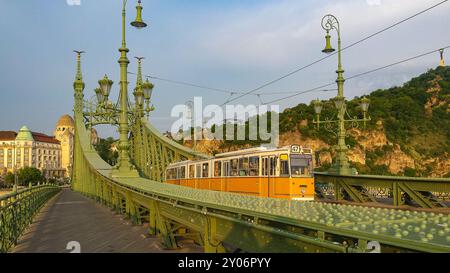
29	175
103	147
9	180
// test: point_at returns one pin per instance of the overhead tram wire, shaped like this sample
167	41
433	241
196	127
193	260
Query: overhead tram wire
361	74
217	89
328	56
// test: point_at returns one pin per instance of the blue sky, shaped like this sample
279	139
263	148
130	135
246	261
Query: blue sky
228	44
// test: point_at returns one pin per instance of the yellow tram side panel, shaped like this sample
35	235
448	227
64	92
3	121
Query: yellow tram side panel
274	187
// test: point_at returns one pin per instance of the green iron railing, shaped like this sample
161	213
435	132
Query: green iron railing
152	152
17	211
423	192
218	219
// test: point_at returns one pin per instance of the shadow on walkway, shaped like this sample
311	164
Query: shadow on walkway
70	216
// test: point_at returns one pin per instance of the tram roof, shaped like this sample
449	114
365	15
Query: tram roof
238	153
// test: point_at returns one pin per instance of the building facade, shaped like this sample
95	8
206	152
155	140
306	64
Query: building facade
64	133
52	155
30	149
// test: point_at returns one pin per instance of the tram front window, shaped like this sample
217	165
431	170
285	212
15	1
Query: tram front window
301	165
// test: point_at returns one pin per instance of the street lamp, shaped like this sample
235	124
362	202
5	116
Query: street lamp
138	92
148	91
139	23
341	165
119	114
105	87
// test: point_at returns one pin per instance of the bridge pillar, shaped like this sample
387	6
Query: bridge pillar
159	225
130	207
210	243
397	195
152	219
115	200
337	191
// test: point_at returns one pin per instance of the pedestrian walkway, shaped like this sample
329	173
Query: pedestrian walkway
71	217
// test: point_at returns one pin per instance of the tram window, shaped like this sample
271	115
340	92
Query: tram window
284	165
265	166
217	168
182	172
253	164
205	170
191	171
168	174
301	165
273	165
234	167
226	168
198	170
243	166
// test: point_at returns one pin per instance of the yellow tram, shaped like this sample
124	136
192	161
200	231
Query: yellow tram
277	173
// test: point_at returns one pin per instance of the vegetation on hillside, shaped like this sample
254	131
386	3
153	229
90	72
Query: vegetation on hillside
415	116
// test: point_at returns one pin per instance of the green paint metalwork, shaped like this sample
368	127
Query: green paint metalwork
17	211
425	192
341	164
249	223
152	152
257	224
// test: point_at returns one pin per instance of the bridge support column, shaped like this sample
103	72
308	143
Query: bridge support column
396	194
210	243
152	219
161	226
115	200
337	191
130	208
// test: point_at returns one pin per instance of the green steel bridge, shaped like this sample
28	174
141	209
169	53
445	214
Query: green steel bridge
353	214
218	220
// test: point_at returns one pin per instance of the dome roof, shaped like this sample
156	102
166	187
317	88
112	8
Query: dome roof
65	121
24	134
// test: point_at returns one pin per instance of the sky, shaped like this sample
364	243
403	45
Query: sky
234	45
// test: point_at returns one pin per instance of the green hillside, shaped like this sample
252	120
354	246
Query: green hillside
416	116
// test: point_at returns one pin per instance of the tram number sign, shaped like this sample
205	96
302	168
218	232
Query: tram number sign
295	149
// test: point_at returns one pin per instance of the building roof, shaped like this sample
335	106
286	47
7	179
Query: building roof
45	138
65	121
7	135
24	134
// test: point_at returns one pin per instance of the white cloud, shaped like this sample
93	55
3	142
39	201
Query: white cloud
373	2
275	33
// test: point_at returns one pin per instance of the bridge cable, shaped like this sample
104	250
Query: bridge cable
328	56
216	89
360	74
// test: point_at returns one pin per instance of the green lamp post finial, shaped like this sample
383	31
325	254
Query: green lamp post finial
79	76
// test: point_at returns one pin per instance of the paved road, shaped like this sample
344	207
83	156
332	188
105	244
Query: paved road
70	216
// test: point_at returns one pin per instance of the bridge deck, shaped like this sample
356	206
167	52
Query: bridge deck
72	217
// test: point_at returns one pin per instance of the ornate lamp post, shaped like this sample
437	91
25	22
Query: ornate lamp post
120	114
148	90
341	165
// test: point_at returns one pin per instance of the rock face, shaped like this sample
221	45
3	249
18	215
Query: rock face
410	133
394	157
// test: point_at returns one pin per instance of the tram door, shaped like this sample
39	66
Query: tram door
269	166
226	174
